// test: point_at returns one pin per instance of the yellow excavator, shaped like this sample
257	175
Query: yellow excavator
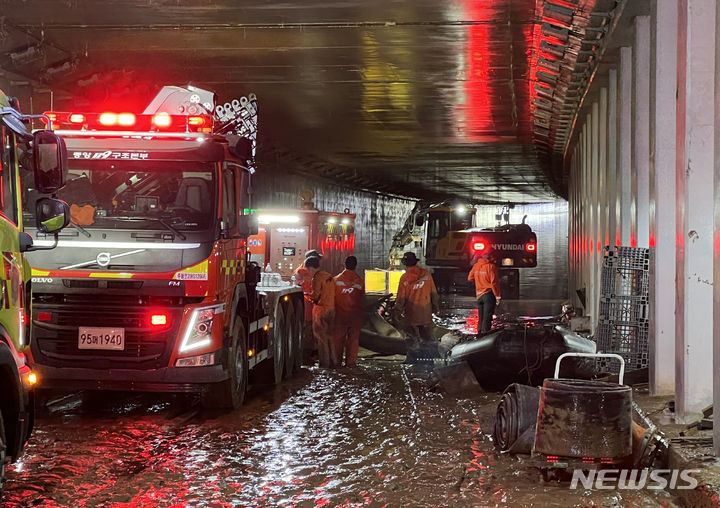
445	237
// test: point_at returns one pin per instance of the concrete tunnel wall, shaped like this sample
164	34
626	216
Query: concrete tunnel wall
378	217
644	170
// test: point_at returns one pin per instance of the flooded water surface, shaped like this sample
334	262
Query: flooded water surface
375	435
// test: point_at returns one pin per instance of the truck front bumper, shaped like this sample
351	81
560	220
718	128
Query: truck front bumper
167	379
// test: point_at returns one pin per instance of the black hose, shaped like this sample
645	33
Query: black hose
515	419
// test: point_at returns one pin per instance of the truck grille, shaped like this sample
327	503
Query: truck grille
55	342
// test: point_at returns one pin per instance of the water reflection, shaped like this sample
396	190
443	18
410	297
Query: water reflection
373	435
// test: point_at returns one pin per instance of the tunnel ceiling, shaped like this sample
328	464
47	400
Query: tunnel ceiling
422	98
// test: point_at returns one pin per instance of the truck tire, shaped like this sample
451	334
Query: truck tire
290	340
279	332
230	394
298	324
3	455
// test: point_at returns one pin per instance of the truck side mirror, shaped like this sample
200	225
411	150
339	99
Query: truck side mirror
247	225
26	242
50	161
419	220
51	215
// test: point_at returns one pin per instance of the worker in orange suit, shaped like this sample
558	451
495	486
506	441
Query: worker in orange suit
323	313
349	314
302	278
416	301
486	276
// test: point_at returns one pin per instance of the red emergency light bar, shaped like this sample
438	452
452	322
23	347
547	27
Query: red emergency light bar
124	121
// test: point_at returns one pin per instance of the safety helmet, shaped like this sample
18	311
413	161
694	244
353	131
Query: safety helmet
409	259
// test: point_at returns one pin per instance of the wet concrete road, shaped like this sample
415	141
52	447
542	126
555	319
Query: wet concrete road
375	435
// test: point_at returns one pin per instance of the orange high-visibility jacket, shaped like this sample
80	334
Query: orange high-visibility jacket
486	277
417	296
349	293
323	290
304	280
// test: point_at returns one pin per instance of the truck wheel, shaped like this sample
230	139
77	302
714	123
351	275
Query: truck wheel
3	455
298	324
290	341
231	392
278	345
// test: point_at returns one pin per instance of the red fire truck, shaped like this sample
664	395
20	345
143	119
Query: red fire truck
151	288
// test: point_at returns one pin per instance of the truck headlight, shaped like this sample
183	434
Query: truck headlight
199	328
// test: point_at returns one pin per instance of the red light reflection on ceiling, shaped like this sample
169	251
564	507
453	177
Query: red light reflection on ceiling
494	108
478	84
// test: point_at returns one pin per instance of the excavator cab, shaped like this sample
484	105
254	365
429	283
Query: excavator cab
445	239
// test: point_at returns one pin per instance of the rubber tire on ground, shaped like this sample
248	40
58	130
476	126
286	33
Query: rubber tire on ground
230	393
290	342
278	345
299	321
3	455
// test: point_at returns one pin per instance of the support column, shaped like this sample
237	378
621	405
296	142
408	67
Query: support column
641	129
625	144
572	222
604	191
587	207
612	180
695	171
662	197
594	216
716	227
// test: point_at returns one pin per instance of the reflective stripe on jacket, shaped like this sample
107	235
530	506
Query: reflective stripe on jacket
417	296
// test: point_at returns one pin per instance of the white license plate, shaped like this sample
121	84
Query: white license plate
101	338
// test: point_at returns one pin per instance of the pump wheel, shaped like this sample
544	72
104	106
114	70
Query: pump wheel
279	332
3	455
291	342
231	392
298	324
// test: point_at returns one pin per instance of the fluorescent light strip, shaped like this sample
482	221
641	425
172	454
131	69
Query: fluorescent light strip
278	219
116	245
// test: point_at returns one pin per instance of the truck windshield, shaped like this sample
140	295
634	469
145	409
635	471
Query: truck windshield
171	196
